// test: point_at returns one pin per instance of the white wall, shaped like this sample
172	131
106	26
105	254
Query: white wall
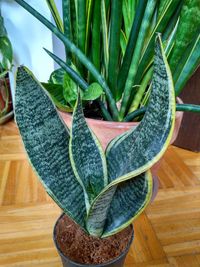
28	37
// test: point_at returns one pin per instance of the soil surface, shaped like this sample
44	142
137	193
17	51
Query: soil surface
82	248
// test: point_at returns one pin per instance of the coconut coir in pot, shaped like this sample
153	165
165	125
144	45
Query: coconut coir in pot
82	248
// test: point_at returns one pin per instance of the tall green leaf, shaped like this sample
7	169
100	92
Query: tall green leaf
130	47
189	26
114	44
55	14
81	28
46	140
66	7
87	156
105	36
96	34
137	54
81	24
89	12
161	25
128	10
187	65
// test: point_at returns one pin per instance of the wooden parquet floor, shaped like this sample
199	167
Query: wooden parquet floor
166	235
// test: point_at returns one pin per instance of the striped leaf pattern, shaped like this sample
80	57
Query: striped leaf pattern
134	152
73	167
141	148
86	155
46	140
118	204
131	196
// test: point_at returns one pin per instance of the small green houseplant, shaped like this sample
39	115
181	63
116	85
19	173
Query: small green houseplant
111	43
102	192
6	56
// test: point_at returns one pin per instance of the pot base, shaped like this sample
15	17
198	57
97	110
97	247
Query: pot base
74	244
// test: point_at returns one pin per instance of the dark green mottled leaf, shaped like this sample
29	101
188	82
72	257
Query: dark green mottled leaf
46	140
130	199
141	148
117	205
134	152
86	154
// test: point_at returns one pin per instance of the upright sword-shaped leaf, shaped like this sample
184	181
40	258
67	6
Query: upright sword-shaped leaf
46	140
87	156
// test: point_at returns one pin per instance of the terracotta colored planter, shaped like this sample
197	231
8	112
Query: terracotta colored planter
107	130
6	109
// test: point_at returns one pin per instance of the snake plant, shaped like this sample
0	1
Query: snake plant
101	191
111	43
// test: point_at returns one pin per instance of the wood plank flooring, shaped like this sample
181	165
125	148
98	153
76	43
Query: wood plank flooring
166	235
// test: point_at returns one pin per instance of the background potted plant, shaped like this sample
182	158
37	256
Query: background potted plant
101	192
112	43
6	109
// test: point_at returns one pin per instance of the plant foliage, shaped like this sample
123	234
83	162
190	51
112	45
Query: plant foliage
102	192
112	43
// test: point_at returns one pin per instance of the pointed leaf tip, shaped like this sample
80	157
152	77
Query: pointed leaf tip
46	140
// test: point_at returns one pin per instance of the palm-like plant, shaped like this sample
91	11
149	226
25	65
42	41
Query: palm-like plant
111	43
103	193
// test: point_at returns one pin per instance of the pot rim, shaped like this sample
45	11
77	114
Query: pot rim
89	265
117	124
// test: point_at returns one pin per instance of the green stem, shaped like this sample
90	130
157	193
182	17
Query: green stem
83	59
179	107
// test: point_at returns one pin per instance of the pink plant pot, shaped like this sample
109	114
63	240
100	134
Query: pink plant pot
107	130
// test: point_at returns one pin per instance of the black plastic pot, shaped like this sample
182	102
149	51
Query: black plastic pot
117	262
